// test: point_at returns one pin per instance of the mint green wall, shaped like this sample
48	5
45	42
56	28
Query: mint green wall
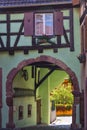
44	95
24	101
43	92
51	82
8	62
19	81
56	78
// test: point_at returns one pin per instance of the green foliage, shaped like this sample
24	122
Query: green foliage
62	95
68	106
63	107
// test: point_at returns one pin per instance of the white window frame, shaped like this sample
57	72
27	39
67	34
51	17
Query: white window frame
44	24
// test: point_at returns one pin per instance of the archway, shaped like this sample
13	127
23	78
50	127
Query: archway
14	71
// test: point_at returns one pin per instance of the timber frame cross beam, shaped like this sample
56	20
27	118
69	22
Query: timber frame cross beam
51	43
44	78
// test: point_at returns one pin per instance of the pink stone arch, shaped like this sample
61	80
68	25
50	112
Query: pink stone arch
14	71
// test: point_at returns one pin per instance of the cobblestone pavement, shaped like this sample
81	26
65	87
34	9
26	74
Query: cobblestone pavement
62	120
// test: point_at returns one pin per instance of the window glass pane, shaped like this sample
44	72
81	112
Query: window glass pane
44	24
29	110
39	24
49	24
20	112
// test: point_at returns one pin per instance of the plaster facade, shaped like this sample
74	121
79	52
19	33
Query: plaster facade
12	64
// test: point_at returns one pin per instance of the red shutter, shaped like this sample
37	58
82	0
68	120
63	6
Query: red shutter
76	2
58	23
28	24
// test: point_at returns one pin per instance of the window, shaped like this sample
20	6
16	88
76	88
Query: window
44	24
20	112
29	110
53	106
38	24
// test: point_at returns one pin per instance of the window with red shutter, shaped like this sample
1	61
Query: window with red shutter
44	24
20	112
58	23
28	24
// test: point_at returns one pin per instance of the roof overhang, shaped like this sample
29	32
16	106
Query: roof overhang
34	6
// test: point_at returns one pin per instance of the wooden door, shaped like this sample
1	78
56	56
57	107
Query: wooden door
38	111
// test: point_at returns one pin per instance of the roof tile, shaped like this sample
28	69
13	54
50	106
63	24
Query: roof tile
7	3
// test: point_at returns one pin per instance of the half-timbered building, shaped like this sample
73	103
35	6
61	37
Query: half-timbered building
38	40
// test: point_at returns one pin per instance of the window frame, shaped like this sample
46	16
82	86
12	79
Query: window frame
29	23
20	112
29	110
44	23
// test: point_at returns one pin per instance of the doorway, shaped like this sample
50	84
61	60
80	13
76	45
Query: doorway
62	100
39	111
54	63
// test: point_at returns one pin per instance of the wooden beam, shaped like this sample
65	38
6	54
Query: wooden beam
71	31
44	78
66	37
19	34
1	42
8	30
37	6
83	16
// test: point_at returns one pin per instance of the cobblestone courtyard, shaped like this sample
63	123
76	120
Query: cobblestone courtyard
62	120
